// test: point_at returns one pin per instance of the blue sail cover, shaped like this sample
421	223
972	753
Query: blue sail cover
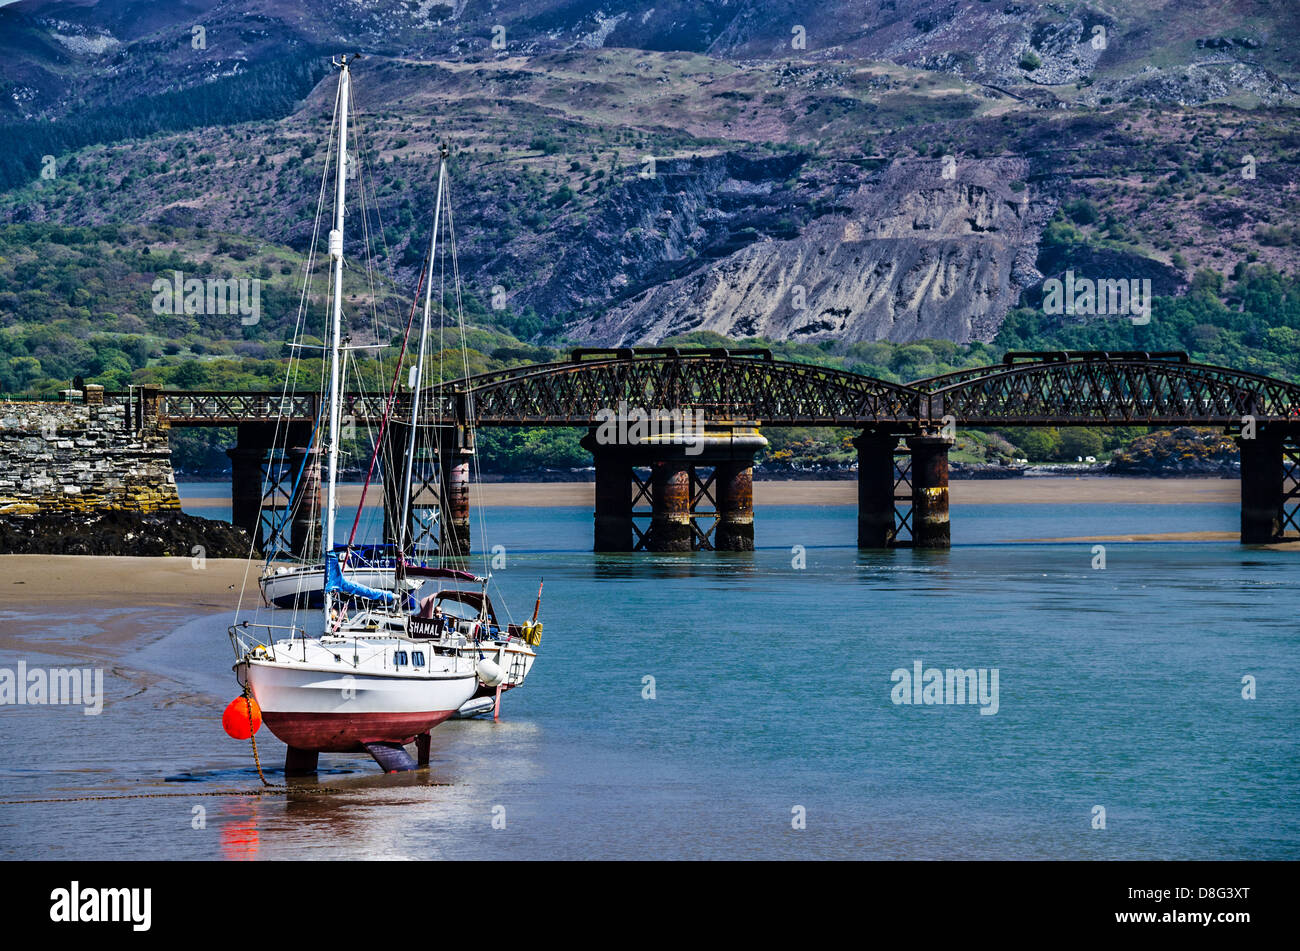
335	580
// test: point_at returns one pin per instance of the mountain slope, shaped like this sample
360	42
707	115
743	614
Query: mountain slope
909	173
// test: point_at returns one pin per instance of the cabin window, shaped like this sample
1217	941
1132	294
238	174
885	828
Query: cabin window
417	658
399	658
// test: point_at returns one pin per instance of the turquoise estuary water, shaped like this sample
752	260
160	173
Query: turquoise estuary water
769	727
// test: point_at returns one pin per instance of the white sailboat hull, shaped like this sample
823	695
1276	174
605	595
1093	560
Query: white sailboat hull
331	710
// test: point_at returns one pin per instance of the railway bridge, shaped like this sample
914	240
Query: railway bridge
674	432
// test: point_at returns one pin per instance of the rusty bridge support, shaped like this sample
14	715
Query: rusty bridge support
671	523
699	490
438	511
455	447
1270	486
930	491
902	491
305	521
734	492
262	474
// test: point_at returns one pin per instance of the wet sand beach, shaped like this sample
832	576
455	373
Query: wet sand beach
102	608
139	582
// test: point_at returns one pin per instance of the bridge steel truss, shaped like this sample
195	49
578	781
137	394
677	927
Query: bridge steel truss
1103	389
910	426
1026	389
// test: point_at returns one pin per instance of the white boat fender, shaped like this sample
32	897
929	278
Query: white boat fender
489	673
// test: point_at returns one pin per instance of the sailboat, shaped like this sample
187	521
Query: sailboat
462	620
356	689
459	620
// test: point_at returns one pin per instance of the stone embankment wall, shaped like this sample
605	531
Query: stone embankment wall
85	456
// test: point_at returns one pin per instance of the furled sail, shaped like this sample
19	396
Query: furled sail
335	580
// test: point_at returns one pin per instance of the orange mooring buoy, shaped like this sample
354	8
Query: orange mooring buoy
236	718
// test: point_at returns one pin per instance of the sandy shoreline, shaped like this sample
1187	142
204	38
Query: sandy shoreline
1158	537
119	604
51	582
1022	491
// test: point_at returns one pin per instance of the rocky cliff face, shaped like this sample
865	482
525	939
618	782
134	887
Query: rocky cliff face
925	249
682	215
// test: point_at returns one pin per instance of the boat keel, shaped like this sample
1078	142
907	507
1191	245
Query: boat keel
391	757
300	762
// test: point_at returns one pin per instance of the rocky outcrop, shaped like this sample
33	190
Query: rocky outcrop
1196	83
1182	451
925	249
682	215
121	533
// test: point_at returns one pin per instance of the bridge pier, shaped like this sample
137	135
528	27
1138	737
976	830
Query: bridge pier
876	489
250	492
930	491
670	506
613	517
733	486
440	477
392	457
1263	487
246	487
262	484
305	520
693	479
455	447
919	485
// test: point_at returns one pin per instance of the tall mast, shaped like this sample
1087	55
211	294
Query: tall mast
419	362
336	322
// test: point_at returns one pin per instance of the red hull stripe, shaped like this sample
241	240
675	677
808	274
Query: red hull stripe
345	732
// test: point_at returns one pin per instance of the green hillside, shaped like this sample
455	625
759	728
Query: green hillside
77	302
